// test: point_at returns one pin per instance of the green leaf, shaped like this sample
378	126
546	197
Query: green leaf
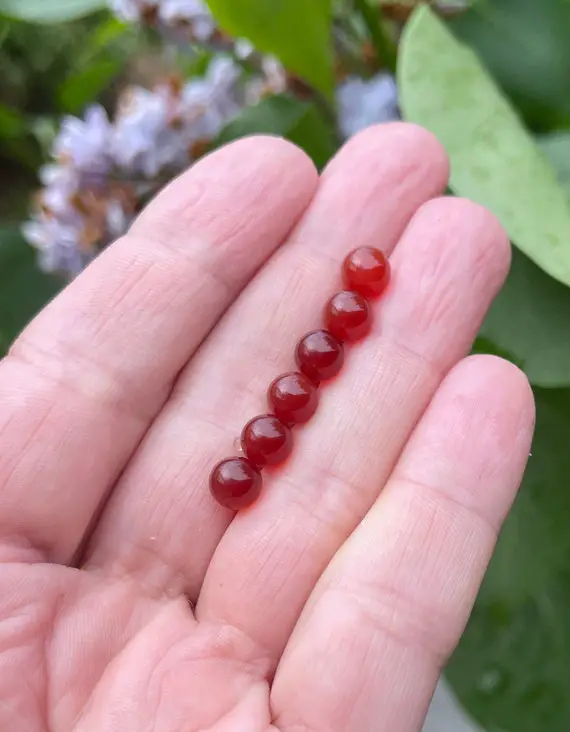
13	123
512	666
296	31
102	57
494	161
525	46
106	33
556	147
531	319
24	289
17	143
49	11
85	85
282	115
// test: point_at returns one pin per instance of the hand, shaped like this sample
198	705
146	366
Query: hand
130	601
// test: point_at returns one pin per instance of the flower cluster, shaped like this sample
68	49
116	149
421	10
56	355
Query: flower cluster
103	170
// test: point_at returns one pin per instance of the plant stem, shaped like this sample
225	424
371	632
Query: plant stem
383	44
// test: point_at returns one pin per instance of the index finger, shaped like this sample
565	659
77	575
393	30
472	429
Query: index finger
83	382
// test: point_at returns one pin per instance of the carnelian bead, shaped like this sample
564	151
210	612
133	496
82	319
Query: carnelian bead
367	271
293	397
320	355
266	440
235	483
347	316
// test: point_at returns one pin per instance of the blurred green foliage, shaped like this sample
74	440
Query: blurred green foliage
524	44
38	83
295	31
512	666
297	120
23	288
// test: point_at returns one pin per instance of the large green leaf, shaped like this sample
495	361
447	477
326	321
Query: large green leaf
49	11
531	319
103	56
84	85
525	46
512	667
494	161
296	31
298	121
556	147
24	290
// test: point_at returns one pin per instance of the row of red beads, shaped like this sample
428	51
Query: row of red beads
293	398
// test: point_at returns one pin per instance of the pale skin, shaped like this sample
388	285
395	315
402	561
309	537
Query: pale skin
129	600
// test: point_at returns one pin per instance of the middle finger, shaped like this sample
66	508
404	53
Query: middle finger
161	525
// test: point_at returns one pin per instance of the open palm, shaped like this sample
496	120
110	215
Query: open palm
130	601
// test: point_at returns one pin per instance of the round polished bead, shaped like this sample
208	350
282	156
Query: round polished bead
266	440
293	397
235	483
347	316
367	271
320	355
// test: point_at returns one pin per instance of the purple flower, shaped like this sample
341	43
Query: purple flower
102	170
169	13
84	143
364	102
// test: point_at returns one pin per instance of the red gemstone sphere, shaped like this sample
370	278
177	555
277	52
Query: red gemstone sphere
347	316
367	271
293	397
320	355
266	440
235	483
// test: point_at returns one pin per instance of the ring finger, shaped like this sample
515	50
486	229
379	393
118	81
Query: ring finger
392	604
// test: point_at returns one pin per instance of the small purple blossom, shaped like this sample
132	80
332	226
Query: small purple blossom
56	242
195	12
364	102
272	81
156	130
84	142
169	13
